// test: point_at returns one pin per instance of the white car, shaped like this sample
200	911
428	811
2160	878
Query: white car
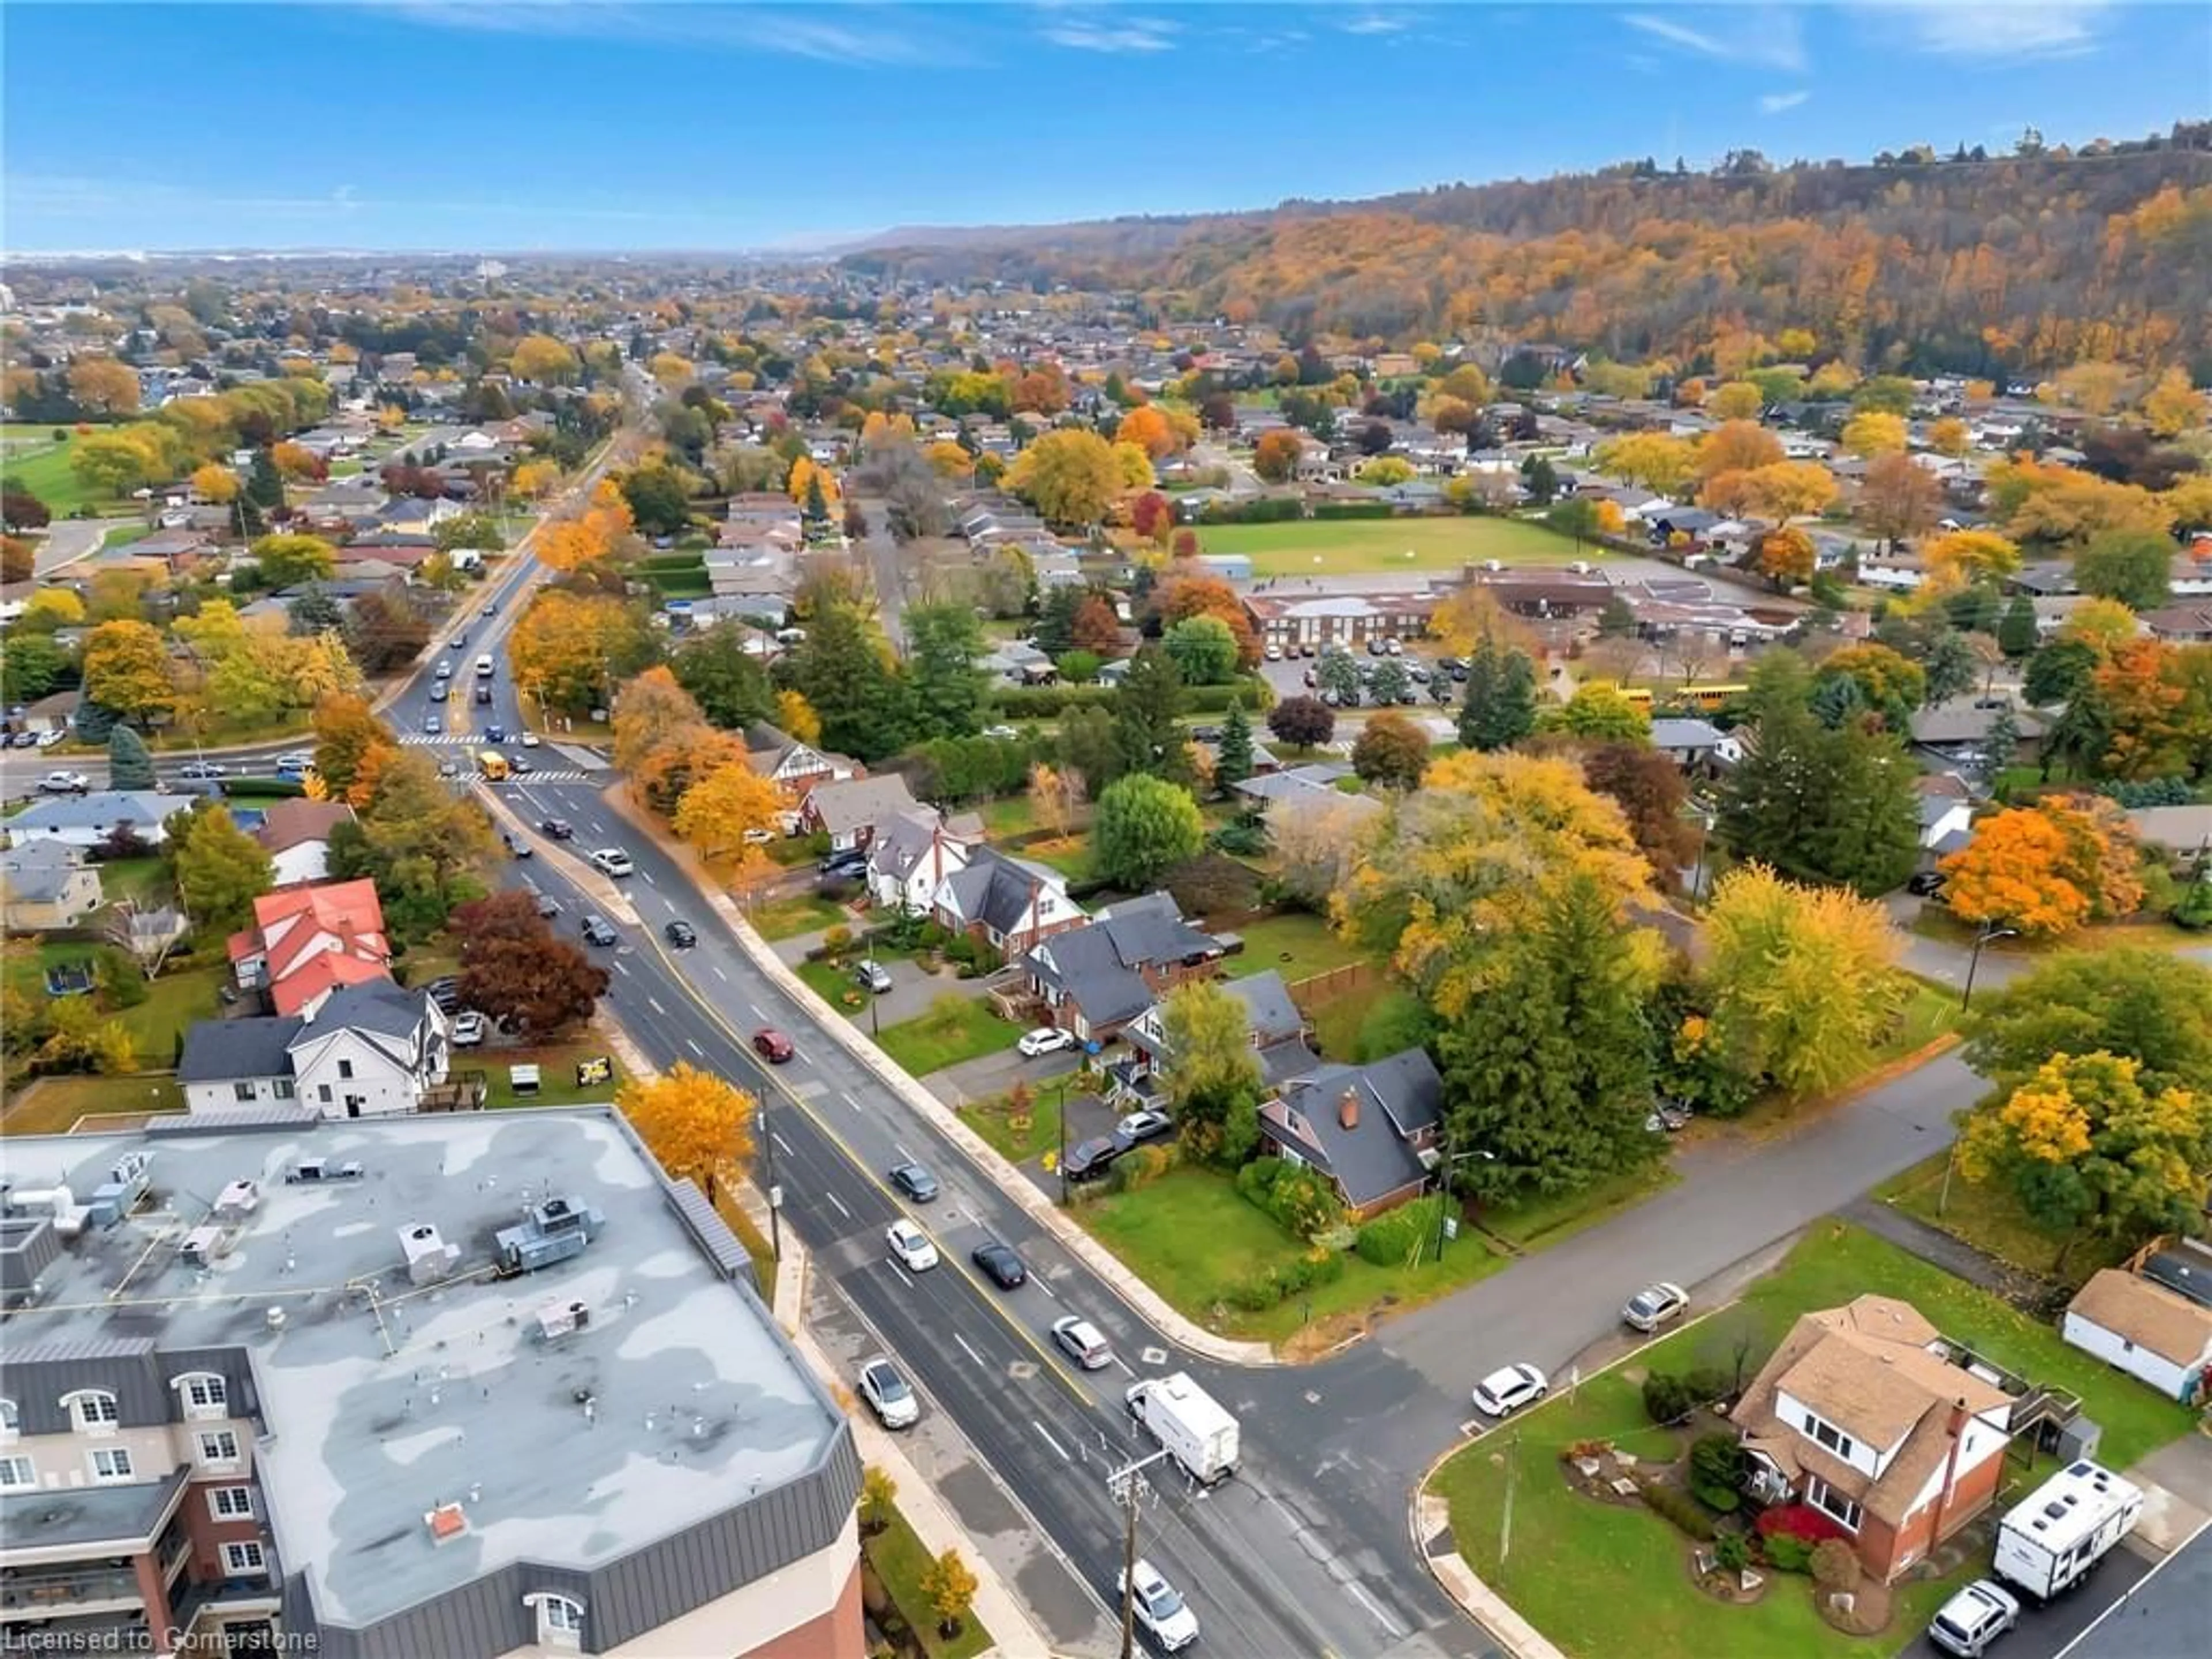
612	861
530	740
1973	1619
889	1395
1501	1394
911	1246
293	759
1045	1040
468	1028
1004	733
1167	1619
757	837
1654	1305
64	783
445	670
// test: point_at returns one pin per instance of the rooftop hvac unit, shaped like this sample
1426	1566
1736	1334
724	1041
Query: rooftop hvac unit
429	1258
119	1195
551	1232
238	1201
560	1319
203	1245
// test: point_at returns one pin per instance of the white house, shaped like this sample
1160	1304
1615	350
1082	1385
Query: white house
296	835
911	854
88	820
370	1050
2160	1335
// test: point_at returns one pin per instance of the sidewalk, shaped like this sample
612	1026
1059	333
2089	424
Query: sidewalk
1104	1263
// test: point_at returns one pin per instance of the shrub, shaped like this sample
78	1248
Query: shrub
1835	1564
1722	1500
1665	1398
1140	1166
1717	1471
1390	1239
836	942
1299	1199
1732	1551
1785	1553
1586	1449
1799	1521
1242	837
1258	1292
1678	1507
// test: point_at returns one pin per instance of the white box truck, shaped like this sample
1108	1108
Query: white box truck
1197	1433
2048	1544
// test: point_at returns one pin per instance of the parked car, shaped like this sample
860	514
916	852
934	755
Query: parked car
1925	884
871	976
598	929
1045	1040
1088	1160
1081	1341
1275	651
1169	1624
757	837
1654	1305
612	861
557	829
910	1246
198	769
915	1181
1971	1621
1003	733
1142	1126
890	1396
1000	1263
772	1046
25	740
681	934
1504	1392
64	783
850	862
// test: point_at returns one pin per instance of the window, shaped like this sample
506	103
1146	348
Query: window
231	1503
283	1089
9	1421
91	1408
560	1618
242	1091
345	1068
245	1560
16	1475
111	1463
1830	1502
218	1446
1828	1435
206	1394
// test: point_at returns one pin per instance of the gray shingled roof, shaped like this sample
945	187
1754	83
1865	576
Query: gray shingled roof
102	809
1097	965
221	1050
995	889
1398	1096
1267	1003
860	803
376	1005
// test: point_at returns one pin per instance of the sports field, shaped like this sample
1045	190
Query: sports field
1344	547
30	459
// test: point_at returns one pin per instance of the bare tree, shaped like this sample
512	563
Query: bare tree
150	937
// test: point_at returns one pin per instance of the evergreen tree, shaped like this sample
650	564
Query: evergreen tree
1767	806
943	644
1147	735
129	765
1549	1072
2003	745
1232	761
265	485
1950	667
1500	705
1867	837
1056	629
843	672
818	504
2016	632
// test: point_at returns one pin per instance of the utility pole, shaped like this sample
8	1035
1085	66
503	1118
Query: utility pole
1127	1485
1505	1532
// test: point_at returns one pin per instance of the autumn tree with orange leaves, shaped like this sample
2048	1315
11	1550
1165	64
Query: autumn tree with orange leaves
1183	596
1275	456
2046	869
698	1126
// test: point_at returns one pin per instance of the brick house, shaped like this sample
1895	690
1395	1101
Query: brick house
1095	980
1012	905
1371	1129
1866	1414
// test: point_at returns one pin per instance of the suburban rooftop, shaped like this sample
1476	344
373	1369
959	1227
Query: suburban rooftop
384	1399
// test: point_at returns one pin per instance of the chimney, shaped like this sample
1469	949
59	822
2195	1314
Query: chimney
1348	1111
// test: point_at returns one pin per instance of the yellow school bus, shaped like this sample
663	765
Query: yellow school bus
492	765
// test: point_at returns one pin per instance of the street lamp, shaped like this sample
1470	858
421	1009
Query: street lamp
1989	931
1451	1161
1705	821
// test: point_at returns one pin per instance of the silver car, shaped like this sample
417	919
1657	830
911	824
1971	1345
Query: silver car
1973	1619
1654	1305
889	1395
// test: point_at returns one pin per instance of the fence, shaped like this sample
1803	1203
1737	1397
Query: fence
1310	995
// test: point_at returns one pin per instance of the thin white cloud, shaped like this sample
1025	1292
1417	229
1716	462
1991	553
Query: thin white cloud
1972	28
1773	103
860	34
1112	33
1375	23
1752	34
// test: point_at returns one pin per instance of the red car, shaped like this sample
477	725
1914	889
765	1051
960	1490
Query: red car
773	1046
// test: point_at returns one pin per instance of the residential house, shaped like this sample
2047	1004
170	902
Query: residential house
2185	622
848	810
1311	787
1869	1415
1095	980
1371	1129
89	820
2183	834
1278	1037
308	942
792	766
45	885
1695	745
1947	813
296	835
910	856
1010	904
1959	730
364	1050
2155	1324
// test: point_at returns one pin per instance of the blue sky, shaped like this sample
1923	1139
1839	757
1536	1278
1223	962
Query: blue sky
515	125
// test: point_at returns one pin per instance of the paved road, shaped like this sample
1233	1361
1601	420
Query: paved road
68	540
886	563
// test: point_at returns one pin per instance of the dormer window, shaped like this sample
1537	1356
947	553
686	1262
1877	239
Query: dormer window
560	1618
92	1411
205	1394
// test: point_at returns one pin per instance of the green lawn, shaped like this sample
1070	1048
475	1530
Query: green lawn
123	536
992	1118
1342	1024
140	880
556	1069
1069	854
1930	1012
1540	1222
955	1028
1562	1543
1315	547
834	986
1191	1237
45	472
1297	947
50	1106
804	913
172	1002
899	1558
1009	814
1989	1217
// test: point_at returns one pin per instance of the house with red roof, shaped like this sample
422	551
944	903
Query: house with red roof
306	942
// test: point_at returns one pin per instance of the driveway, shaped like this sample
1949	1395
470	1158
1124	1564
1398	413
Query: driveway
994	1074
68	540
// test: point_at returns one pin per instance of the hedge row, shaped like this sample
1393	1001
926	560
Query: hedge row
1391	1239
1036	703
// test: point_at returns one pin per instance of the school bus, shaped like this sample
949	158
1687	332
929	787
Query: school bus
492	765
1705	697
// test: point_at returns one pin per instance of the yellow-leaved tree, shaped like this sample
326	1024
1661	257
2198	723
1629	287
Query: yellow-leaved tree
699	1126
720	811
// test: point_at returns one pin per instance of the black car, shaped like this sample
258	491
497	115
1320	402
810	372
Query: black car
680	935
1925	884
916	1182
1000	1263
558	829
851	862
598	929
1089	1160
